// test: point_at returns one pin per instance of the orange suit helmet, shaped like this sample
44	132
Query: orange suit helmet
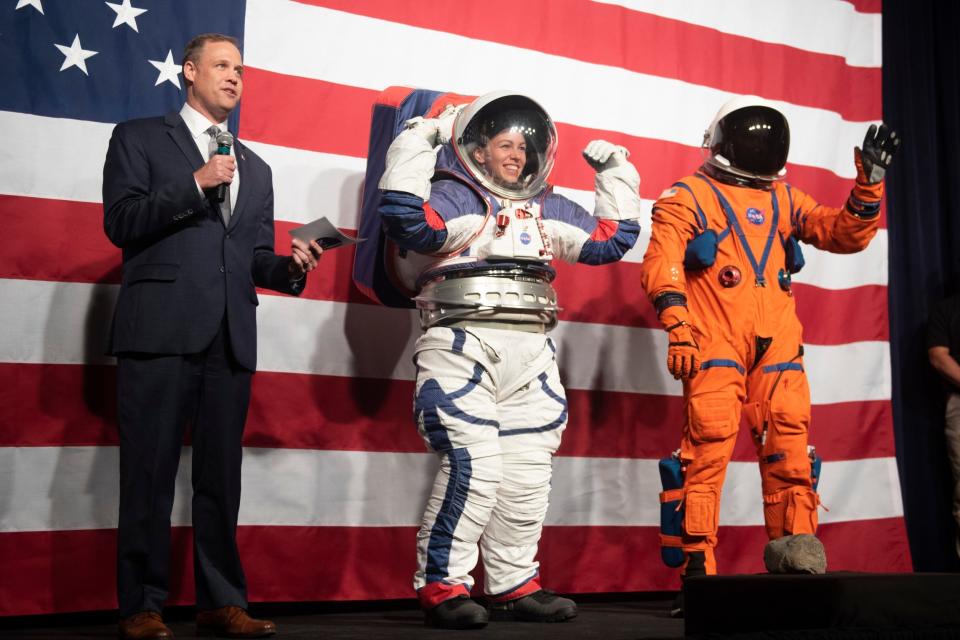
748	139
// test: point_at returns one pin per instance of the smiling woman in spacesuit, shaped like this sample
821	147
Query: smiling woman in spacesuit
465	199
503	157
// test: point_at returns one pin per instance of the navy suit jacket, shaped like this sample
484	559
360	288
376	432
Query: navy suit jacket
182	270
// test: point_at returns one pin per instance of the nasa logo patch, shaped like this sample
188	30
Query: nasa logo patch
525	238
754	216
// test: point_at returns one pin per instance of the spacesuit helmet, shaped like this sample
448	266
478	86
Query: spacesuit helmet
748	139
507	142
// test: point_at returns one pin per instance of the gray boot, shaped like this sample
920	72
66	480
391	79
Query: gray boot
457	613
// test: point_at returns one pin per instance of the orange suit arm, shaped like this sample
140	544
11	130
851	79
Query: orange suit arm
838	230
673	226
663	278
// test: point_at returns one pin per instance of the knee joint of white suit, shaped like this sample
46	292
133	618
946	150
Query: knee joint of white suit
509	530
517	520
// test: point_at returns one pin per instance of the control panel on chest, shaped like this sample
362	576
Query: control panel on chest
518	232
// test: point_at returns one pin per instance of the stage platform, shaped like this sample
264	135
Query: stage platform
608	617
887	605
836	605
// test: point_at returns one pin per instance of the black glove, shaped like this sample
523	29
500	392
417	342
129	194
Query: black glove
875	157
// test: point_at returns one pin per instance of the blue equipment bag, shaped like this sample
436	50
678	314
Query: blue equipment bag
671	512
701	251
794	253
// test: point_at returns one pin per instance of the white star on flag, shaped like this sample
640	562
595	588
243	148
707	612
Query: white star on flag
126	14
74	55
36	4
168	70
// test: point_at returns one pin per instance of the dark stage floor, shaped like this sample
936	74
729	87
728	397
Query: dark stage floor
645	616
642	616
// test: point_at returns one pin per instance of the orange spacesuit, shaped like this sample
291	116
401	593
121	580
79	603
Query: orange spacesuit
723	246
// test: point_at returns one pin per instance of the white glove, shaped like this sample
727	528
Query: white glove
445	122
425	128
411	159
617	183
436	131
412	155
601	154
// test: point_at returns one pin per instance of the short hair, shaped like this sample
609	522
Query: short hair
192	51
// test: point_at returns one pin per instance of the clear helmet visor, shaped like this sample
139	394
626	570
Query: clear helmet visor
508	143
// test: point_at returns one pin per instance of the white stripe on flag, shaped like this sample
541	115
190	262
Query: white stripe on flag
42	322
52	158
60	488
309	184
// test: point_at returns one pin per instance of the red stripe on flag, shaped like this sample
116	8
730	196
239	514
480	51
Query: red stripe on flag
63	571
294	411
657	162
829	316
340	117
54	405
85	255
588	559
850	546
831	431
612	35
77	251
338	114
838	316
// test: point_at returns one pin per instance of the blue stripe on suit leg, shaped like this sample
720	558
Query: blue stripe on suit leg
429	402
454	502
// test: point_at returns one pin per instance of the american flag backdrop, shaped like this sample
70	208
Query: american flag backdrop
334	474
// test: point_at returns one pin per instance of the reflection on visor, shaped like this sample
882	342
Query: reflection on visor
754	139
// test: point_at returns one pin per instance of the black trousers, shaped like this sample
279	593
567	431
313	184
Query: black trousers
158	398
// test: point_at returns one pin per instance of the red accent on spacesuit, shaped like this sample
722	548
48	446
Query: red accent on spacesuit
433	218
447	99
393	96
523	590
436	592
605	230
727	322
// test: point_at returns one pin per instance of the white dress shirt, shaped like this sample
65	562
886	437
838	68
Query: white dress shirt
198	124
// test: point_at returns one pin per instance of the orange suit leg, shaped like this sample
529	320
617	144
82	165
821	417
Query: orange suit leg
778	412
713	404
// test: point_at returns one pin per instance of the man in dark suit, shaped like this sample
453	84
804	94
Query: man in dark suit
184	333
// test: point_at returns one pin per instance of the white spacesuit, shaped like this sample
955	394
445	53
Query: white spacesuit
474	226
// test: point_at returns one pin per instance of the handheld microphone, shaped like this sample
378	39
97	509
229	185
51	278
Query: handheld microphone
224	142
